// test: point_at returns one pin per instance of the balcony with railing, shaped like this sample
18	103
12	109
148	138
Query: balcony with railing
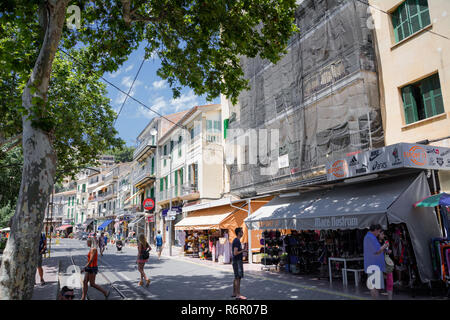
187	191
143	176
146	147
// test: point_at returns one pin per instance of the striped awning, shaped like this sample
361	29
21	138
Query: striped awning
133	196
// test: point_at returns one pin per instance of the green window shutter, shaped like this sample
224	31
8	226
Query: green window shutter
68	213
165	150
432	96
409	105
401	23
84	187
176	178
153	165
161	185
152	193
225	127
171	146
167	182
419	15
181	176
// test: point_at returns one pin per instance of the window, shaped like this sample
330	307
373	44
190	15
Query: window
165	150
422	99
209	125
167	182
192	132
179	145
153	165
84	187
410	17
217	126
68	213
171	146
161	184
152	193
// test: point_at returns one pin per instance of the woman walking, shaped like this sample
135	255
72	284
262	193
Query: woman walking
142	258
91	269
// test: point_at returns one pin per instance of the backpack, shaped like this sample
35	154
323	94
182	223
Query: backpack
146	253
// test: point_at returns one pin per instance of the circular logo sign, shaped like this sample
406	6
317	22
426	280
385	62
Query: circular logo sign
339	169
417	155
149	204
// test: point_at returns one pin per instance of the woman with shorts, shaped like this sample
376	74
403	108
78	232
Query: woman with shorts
142	258
91	269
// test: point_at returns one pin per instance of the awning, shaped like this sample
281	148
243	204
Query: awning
64	227
104	224
205	222
5	230
133	196
87	222
358	206
135	221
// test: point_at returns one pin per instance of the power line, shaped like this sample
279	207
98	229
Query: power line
128	95
117	88
129	90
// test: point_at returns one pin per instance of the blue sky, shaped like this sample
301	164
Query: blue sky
150	90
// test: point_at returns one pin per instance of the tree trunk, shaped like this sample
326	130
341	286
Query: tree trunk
19	261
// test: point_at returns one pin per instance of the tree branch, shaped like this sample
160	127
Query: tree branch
18	137
130	15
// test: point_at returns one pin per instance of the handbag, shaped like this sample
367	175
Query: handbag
389	264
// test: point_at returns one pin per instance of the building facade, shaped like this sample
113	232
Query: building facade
414	74
320	101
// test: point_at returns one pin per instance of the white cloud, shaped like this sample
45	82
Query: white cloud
185	101
115	74
130	67
160	84
128	80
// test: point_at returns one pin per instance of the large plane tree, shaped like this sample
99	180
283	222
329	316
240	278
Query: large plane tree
199	43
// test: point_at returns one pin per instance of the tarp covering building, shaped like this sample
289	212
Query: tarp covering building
322	97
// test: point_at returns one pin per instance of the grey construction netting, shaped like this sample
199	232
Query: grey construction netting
322	96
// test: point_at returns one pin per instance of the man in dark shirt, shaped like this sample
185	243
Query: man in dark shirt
238	266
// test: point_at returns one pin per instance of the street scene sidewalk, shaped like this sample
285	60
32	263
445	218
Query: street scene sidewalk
172	275
49	290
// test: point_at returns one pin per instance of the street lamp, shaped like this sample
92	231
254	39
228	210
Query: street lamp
170	204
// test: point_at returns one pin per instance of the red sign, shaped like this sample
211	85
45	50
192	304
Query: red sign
417	155
149	204
339	169
151	219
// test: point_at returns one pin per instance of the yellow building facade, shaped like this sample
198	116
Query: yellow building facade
412	41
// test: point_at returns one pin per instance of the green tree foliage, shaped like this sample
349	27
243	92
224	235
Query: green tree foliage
6	212
10	176
122	154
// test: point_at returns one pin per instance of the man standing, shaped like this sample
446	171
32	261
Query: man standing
42	250
159	243
238	266
374	259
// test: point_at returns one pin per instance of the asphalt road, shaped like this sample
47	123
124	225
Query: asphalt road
178	279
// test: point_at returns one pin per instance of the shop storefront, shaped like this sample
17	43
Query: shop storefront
320	232
208	231
88	225
64	230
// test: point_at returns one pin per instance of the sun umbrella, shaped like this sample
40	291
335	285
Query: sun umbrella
440	199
